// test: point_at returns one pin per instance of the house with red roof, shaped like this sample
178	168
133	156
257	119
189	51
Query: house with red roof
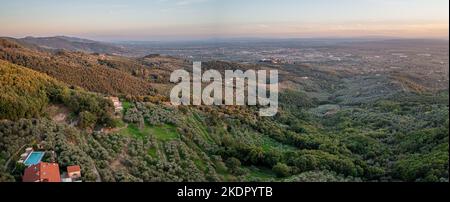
42	172
74	172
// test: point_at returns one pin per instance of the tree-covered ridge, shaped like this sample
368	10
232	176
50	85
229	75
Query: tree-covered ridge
76	69
73	44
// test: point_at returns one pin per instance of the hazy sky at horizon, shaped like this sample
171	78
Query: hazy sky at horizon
186	19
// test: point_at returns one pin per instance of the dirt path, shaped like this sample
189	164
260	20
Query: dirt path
113	130
99	178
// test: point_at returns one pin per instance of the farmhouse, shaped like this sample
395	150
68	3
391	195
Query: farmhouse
73	174
42	172
117	104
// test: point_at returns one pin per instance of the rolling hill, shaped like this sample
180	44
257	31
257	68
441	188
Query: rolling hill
74	44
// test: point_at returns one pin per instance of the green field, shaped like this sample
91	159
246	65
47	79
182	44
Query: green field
162	133
165	132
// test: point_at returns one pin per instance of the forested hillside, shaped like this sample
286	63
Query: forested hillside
26	94
76	69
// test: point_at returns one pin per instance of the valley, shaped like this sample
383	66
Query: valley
349	111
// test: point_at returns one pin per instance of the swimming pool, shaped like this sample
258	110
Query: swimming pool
34	158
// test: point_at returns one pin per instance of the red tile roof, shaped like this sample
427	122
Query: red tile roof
42	172
72	169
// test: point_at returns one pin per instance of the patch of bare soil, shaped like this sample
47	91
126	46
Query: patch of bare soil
58	113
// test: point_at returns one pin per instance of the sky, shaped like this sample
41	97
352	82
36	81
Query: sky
199	19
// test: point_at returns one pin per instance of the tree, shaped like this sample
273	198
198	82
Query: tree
281	170
87	119
233	163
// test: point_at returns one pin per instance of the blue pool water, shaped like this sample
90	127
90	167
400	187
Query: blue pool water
34	158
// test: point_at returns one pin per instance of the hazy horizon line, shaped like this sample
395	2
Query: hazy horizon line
231	38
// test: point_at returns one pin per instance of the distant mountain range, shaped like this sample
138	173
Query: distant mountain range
74	44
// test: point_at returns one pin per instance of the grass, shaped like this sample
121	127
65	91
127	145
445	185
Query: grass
260	173
133	130
165	132
162	133
126	105
200	164
269	143
266	143
119	123
153	152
